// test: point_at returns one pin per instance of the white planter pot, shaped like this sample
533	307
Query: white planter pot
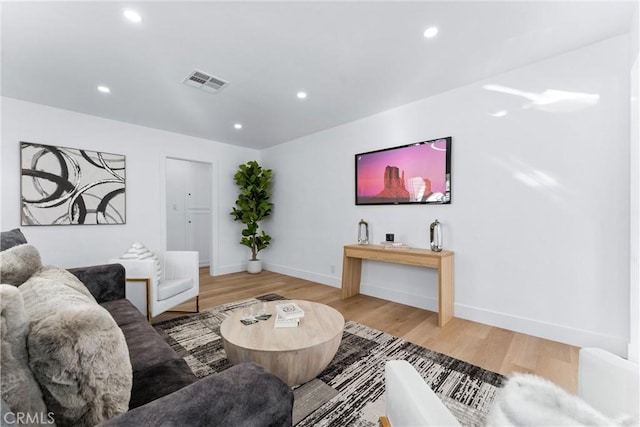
254	267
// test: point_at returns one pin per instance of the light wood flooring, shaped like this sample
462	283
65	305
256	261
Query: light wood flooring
492	348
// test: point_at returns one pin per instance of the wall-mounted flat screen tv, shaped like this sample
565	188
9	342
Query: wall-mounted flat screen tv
418	173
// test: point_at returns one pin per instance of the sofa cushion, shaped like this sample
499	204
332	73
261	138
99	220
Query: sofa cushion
18	263
173	287
146	347
20	391
159	380
76	350
123	312
11	238
243	395
157	369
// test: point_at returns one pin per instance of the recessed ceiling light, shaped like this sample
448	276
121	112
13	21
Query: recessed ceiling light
132	15
431	32
301	95
103	89
238	126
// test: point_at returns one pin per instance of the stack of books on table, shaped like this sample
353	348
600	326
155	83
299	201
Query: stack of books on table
396	246
288	315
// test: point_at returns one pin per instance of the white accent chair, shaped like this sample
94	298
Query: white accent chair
607	382
410	401
179	281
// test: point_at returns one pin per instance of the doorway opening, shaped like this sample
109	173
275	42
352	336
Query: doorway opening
188	207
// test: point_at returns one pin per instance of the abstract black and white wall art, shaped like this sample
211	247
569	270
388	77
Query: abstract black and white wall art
69	186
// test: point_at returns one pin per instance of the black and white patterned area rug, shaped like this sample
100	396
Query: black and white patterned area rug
350	391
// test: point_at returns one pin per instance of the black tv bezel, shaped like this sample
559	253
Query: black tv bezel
448	174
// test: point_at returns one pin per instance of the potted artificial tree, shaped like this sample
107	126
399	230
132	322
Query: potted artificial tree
252	206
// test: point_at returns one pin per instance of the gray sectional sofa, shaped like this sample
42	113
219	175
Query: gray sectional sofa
151	385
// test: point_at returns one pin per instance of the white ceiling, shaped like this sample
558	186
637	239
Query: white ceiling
353	59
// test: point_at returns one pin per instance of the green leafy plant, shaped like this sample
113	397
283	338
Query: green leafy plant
253	205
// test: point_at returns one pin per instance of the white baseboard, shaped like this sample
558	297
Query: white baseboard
541	329
550	331
413	300
228	269
547	330
324	279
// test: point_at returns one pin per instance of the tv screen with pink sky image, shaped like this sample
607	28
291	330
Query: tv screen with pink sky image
417	173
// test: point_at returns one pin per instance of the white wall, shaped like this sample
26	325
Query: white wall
146	151
634	283
540	215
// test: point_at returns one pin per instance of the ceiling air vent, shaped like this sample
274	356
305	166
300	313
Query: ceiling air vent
205	81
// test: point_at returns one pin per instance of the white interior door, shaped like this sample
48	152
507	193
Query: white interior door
189	207
198	222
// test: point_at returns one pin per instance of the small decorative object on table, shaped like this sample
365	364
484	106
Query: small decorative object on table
253	313
248	315
363	232
435	234
262	313
288	315
286	323
398	246
289	311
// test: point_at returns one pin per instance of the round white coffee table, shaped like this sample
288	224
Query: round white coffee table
296	355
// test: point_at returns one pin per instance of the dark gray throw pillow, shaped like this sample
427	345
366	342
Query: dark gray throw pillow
11	238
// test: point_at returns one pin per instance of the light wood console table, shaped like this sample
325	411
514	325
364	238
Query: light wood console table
441	261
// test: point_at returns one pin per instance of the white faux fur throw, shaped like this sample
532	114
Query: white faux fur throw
528	400
19	388
77	352
18	263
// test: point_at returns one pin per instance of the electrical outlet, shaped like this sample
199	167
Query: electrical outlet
333	269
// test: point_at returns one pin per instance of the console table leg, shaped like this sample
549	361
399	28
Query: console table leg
445	291
351	270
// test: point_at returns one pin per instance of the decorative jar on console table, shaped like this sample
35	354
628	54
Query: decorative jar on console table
441	261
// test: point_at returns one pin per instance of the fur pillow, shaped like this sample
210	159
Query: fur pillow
20	391
18	263
528	400
76	350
